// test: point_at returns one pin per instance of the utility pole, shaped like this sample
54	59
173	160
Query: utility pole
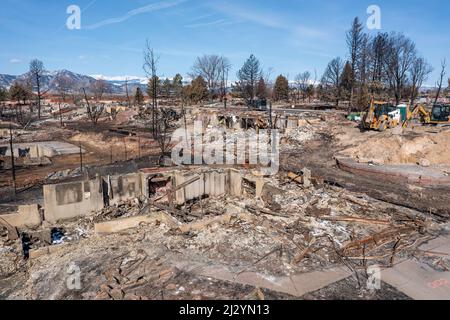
110	155
125	145
139	147
60	114
128	96
183	111
81	158
270	115
270	123
13	167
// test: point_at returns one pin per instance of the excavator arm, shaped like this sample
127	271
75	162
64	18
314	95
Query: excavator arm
368	116
419	110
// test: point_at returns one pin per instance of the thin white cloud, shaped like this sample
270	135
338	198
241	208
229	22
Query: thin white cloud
219	22
15	61
202	17
263	19
157	6
269	20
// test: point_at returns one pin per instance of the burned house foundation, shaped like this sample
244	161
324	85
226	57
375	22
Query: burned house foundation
175	188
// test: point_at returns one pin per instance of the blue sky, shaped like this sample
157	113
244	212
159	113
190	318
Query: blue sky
290	36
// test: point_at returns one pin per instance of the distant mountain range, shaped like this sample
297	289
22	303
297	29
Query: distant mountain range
117	85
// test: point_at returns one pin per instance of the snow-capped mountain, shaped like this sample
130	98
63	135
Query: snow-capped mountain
122	80
6	80
49	81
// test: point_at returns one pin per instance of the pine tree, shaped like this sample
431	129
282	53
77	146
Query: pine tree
3	94
248	76
139	97
355	39
281	89
19	92
167	88
151	88
197	91
177	86
261	91
347	80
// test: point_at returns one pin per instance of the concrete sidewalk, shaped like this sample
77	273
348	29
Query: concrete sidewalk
411	277
418	280
296	285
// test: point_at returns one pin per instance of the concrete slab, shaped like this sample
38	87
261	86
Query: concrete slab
223	219
123	224
37	253
296	285
418	281
441	243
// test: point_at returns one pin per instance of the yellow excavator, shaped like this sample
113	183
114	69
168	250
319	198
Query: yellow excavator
381	116
418	112
440	114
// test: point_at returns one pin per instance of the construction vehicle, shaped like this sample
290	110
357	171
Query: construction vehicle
440	114
381	116
418	112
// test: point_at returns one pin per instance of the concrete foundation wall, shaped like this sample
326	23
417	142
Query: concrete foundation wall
28	216
292	123
216	183
234	183
126	187
281	123
33	153
190	192
42	149
237	121
70	200
77	199
213	183
144	183
258	184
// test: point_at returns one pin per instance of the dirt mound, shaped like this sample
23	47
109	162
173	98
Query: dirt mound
99	141
423	148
